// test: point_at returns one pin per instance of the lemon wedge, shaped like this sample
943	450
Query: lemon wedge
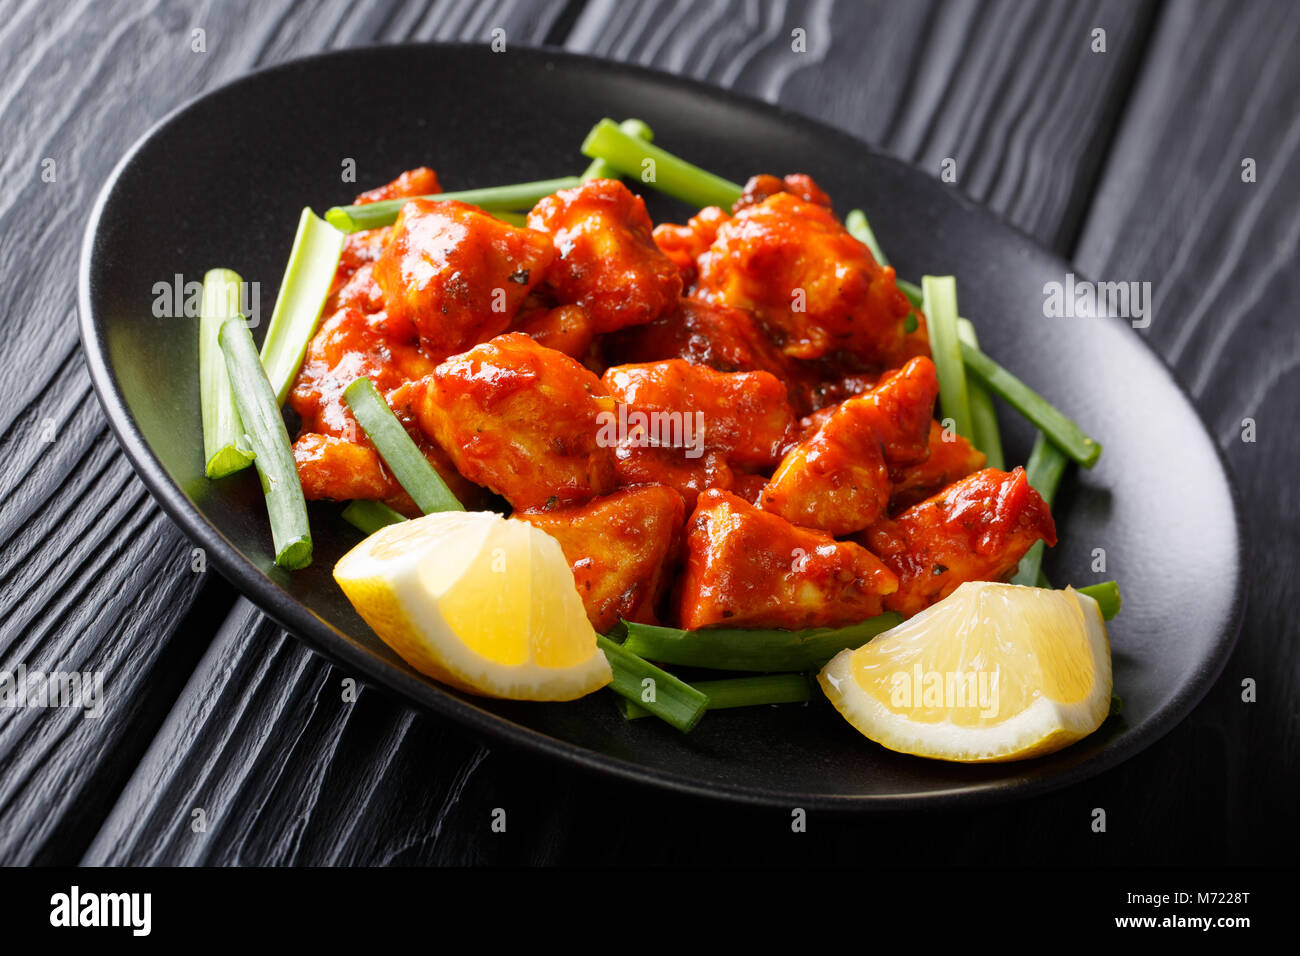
478	601
992	672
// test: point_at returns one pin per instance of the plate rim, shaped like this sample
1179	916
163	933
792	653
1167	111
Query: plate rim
322	638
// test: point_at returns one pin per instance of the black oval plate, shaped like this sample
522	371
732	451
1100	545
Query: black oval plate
220	183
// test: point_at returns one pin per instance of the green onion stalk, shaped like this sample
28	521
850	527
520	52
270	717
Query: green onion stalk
225	446
269	439
400	453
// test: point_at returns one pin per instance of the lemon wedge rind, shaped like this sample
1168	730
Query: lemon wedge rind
456	596
1043	726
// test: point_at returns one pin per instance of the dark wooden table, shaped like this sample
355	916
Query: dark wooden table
1127	161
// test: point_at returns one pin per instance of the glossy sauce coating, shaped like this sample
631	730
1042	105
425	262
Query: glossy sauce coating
456	274
950	457
684	244
837	479
977	529
749	568
622	548
813	287
745	415
520	419
608	262
483	338
759	188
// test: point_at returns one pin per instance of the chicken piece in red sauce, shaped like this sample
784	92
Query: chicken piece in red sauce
684	244
520	419
951	458
421	181
837	479
455	275
564	328
813	288
976	529
760	187
607	261
622	548
689	426
749	568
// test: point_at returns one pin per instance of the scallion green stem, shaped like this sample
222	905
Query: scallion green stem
407	463
634	157
599	169
984	416
671	700
269	439
370	516
1044	470
741	692
912	291
306	284
225	447
513	198
1107	596
856	223
742	649
939	303
1064	433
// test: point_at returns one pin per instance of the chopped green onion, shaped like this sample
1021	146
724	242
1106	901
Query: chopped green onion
741	649
1044	469
984	417
1063	432
856	223
370	516
741	692
513	198
861	230
225	448
939	295
260	414
306	284
671	700
403	457
1106	595
599	169
634	157
912	291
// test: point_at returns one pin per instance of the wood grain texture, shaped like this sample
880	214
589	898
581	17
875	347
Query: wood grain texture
93	576
1009	90
1172	209
435	789
263	762
287	771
